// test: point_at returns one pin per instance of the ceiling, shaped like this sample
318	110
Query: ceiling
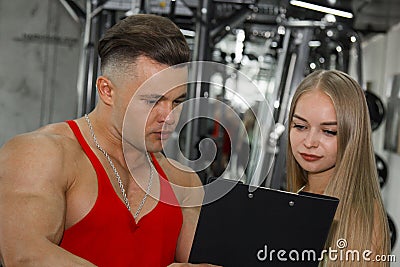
376	15
370	16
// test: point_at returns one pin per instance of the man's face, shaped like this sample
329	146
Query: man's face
153	104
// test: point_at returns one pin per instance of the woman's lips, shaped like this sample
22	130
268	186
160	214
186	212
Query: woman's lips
310	157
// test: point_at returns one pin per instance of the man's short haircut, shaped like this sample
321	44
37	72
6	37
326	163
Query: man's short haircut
153	36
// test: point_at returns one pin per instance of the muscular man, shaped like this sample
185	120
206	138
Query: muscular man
68	194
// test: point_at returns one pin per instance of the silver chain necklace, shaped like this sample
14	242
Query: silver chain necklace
121	186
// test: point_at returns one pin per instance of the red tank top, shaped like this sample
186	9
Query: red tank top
109	236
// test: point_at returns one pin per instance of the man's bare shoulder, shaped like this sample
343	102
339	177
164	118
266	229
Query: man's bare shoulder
52	136
44	151
56	129
178	173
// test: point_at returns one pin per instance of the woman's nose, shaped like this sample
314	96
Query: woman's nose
311	140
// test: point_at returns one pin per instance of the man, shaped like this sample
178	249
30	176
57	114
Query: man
68	194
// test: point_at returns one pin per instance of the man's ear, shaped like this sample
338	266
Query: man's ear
105	90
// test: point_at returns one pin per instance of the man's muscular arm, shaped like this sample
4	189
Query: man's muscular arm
189	191
33	185
190	195
191	206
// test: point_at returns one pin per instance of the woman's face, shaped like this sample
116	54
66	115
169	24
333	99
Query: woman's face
313	132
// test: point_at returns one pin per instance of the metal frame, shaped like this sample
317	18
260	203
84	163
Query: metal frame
98	15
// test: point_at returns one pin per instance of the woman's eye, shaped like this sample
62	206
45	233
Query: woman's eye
298	126
330	132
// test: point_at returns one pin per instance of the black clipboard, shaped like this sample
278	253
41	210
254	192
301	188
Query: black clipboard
251	230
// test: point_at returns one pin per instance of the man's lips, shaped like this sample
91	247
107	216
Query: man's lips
163	134
310	157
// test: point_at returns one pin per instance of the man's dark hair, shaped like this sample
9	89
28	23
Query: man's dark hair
153	36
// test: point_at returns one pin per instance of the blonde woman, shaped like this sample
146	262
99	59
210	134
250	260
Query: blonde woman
330	152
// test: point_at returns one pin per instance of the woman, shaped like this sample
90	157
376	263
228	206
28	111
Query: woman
330	152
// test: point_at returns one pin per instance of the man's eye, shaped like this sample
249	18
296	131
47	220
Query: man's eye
151	101
178	102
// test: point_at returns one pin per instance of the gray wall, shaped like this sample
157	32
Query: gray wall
39	53
381	60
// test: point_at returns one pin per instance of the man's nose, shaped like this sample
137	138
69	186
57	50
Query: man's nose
166	113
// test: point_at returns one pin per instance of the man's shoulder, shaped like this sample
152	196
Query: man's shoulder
178	173
43	157
46	142
59	130
186	183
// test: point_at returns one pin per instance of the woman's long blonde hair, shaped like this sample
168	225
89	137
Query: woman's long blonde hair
360	213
